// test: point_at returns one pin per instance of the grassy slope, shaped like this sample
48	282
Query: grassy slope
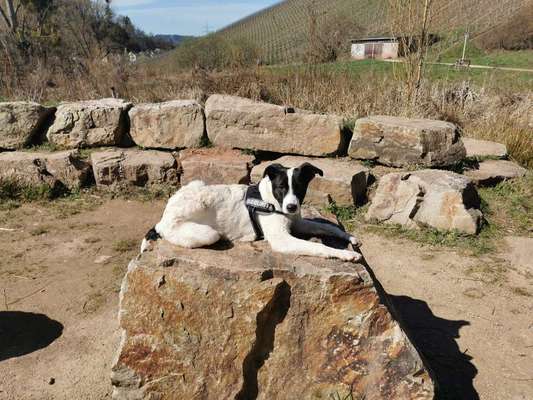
281	30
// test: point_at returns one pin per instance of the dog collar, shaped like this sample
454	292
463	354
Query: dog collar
255	203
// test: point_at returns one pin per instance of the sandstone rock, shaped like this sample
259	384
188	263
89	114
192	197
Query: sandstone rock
215	166
490	172
400	142
484	148
171	125
439	199
247	323
91	123
344	180
65	168
20	122
246	124
134	167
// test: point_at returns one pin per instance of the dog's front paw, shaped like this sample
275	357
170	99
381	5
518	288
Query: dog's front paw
348	255
355	242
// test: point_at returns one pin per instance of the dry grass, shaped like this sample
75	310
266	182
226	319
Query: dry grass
489	110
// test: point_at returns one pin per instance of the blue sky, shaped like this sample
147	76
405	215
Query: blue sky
186	17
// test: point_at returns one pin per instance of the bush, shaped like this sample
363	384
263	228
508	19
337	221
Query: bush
213	52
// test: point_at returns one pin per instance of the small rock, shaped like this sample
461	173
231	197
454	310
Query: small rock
134	167
246	124
344	180
91	123
484	148
400	142
491	172
20	122
102	259
171	125
51	381
439	199
215	166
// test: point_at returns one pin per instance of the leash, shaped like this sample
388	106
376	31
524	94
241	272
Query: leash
254	203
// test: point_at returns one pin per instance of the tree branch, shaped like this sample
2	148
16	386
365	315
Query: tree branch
6	19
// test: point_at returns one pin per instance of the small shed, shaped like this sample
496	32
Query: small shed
375	47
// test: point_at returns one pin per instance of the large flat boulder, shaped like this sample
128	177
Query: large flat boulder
400	142
122	167
477	148
21	122
63	168
247	323
247	124
491	172
215	166
439	199
171	125
344	181
92	123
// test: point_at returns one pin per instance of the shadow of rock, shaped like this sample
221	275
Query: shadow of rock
23	333
435	338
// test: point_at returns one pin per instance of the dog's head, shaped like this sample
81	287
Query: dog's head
286	187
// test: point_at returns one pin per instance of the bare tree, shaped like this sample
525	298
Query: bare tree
411	23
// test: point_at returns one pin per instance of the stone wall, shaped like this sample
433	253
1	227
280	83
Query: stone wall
232	140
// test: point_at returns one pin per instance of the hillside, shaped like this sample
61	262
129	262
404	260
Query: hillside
280	31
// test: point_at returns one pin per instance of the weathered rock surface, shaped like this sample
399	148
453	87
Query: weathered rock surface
439	199
20	122
401	142
247	124
215	166
134	167
491	172
90	123
64	168
484	148
171	125
344	181
247	323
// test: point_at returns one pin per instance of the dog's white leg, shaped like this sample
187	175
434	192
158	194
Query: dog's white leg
192	235
318	229
287	244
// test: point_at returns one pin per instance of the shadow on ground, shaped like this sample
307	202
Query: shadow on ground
23	333
434	338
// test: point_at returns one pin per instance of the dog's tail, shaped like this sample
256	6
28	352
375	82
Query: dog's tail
151	236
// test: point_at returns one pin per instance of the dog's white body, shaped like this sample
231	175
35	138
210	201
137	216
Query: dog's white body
199	215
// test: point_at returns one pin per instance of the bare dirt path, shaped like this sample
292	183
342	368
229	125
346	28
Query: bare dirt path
62	264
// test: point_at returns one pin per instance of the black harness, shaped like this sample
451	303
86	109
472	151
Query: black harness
254	203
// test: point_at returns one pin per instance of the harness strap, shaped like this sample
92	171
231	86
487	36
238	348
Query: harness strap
254	203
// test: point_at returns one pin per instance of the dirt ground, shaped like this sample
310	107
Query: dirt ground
61	265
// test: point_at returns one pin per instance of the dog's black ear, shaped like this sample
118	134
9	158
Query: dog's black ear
308	171
273	170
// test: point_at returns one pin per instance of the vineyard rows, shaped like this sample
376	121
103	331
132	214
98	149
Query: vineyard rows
281	31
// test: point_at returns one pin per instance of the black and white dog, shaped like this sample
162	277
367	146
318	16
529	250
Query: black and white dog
199	215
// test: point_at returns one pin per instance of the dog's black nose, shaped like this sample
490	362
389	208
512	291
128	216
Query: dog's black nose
292	208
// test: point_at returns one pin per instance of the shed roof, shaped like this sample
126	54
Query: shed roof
376	39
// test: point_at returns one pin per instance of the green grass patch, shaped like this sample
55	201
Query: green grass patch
15	191
125	245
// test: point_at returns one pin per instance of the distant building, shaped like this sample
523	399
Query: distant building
375	47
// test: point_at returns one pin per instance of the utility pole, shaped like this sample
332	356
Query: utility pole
464	45
206	29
